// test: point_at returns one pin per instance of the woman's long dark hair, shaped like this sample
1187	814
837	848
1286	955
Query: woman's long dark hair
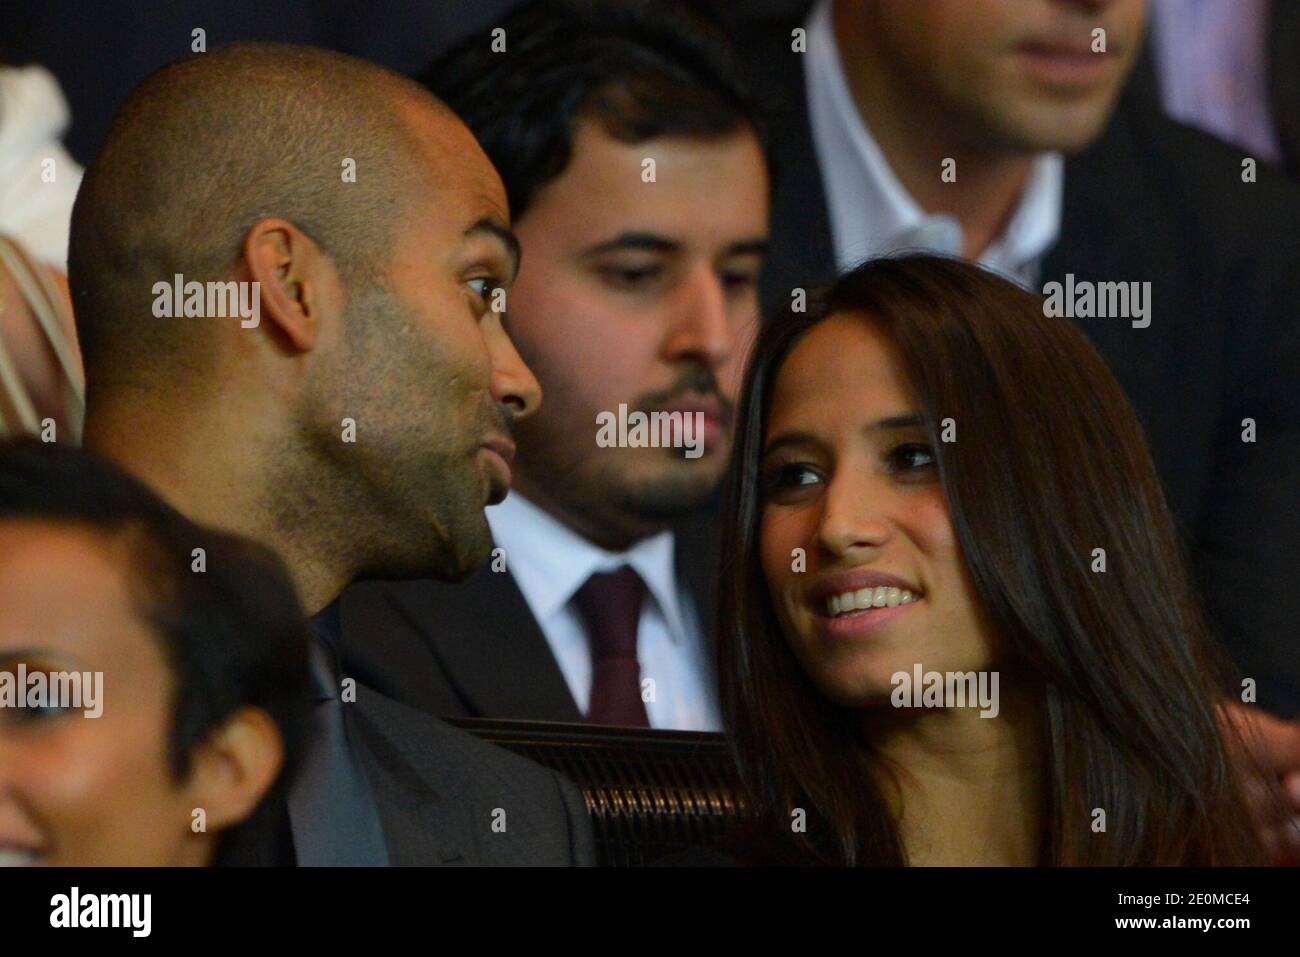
1049	463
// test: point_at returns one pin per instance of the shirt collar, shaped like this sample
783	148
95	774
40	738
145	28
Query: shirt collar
550	561
873	214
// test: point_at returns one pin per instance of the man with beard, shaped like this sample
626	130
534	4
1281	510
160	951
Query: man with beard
637	179
359	423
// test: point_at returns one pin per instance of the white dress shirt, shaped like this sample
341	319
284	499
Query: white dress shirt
33	114
550	562
872	214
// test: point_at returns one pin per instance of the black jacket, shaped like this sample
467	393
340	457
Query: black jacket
438	790
441	793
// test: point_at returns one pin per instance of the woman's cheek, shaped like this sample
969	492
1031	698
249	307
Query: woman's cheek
784	554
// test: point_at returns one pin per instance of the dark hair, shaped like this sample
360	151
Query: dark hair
232	637
1049	463
641	69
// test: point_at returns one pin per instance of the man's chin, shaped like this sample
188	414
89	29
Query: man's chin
467	555
1060	127
674	492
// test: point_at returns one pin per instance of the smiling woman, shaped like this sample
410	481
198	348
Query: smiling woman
194	646
925	432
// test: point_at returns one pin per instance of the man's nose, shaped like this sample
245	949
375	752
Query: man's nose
701	330
513	384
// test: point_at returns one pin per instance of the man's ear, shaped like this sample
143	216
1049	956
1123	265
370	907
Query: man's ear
233	769
299	284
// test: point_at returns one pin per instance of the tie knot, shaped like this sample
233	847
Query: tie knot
610	606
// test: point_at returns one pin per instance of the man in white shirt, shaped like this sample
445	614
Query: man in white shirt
638	184
893	178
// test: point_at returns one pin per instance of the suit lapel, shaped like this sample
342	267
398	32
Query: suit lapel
491	647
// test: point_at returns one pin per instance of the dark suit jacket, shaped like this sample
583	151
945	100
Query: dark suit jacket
1156	201
443	796
473	649
438	791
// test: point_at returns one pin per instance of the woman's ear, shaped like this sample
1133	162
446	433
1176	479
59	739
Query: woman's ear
233	769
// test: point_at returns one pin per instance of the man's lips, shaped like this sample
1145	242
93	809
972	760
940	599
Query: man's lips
1066	62
502	447
500	452
710	406
714	413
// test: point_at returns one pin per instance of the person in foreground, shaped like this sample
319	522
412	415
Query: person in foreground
958	628
352	409
188	677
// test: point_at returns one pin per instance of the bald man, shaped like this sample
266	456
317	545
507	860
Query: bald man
348	400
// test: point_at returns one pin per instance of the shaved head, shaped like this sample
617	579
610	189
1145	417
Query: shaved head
209	145
359	422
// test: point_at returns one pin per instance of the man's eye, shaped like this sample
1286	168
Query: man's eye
483	286
911	457
630	277
739	280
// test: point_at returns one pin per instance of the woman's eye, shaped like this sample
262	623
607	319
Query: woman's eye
739	280
792	476
911	457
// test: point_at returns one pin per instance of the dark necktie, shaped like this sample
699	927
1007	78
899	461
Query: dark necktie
610	606
332	810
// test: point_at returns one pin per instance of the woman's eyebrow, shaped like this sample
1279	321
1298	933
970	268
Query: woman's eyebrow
888	423
797	437
902	420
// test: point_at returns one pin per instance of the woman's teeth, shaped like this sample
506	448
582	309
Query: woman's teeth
884	596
